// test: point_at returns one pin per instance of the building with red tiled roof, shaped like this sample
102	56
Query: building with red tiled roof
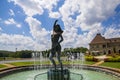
101	45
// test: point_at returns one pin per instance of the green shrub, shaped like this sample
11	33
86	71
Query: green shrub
89	58
113	59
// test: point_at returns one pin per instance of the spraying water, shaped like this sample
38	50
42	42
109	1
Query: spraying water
38	60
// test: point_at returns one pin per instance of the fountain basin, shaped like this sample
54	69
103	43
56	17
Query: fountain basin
89	72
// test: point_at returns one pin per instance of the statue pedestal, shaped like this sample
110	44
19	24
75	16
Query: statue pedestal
58	74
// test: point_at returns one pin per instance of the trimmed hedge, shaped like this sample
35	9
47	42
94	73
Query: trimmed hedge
89	58
113	59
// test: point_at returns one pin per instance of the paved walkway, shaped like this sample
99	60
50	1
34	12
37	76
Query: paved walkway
101	60
8	65
98	63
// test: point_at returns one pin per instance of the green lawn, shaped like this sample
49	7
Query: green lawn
47	62
111	64
2	66
28	63
89	62
106	64
78	62
21	63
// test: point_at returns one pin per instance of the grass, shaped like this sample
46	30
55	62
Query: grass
85	62
21	63
106	64
28	63
89	62
111	64
2	66
46	62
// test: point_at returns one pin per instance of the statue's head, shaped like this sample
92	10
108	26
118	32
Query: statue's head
58	29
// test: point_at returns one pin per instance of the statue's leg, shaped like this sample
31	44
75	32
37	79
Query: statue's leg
59	55
59	60
51	58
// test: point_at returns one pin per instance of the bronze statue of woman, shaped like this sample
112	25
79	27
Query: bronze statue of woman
56	39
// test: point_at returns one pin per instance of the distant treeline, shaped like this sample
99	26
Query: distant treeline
17	54
28	53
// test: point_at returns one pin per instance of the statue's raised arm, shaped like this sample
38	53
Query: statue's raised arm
55	24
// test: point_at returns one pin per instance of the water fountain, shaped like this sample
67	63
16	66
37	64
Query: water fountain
39	72
53	74
70	72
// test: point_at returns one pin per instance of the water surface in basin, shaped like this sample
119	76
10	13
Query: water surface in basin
87	74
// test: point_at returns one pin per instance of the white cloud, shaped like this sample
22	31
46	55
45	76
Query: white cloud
89	18
95	12
90	14
33	7
38	33
35	27
11	21
111	32
10	42
54	15
11	12
30	7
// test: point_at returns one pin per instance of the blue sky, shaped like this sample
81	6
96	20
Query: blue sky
27	24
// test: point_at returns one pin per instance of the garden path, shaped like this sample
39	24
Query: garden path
98	63
8	65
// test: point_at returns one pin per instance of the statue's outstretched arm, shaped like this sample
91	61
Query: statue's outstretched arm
55	23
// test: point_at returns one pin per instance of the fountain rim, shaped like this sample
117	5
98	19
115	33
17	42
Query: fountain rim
6	71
